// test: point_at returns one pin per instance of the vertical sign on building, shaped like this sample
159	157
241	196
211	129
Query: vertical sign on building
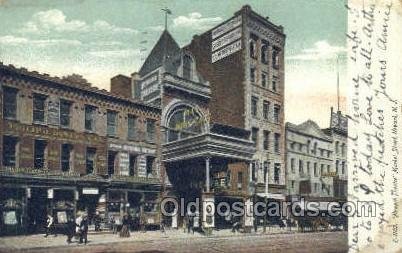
124	163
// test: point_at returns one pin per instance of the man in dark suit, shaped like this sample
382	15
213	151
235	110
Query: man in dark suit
84	230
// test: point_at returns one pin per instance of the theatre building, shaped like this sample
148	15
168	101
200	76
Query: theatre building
222	112
67	147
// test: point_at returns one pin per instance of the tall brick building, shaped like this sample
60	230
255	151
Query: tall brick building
67	147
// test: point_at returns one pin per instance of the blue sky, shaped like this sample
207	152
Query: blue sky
99	39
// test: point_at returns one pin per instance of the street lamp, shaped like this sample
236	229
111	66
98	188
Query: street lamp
266	197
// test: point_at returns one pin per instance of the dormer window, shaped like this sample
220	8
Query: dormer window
187	67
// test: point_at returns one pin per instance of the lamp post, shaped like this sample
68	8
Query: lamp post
266	199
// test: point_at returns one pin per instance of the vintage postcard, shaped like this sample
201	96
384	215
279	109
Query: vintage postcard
200	126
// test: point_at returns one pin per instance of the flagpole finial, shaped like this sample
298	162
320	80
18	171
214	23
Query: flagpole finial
167	12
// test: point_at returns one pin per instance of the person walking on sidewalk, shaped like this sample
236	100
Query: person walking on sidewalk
70	229
125	232
50	226
84	230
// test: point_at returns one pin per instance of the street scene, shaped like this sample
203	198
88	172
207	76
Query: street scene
191	150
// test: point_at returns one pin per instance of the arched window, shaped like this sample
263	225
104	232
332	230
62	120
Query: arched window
187	67
184	122
264	53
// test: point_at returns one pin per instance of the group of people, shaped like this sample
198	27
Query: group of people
191	223
77	227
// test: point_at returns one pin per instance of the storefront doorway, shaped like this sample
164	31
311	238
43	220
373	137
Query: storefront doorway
38	209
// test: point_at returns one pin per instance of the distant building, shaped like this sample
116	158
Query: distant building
67	147
316	159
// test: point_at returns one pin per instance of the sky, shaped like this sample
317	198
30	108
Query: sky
99	39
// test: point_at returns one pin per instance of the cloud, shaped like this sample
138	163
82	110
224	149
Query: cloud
123	53
157	28
195	21
55	20
12	40
322	50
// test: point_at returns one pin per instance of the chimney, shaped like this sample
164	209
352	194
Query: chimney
135	77
120	85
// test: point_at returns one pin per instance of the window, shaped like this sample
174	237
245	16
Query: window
39	108
308	168
337	147
328	168
111	123
10	103
131	127
184	122
252	48
315	148
316	186
10	151
65	113
274	84
301	170
315	169
254	106
343	167
292	165
253	170
292	145
239	180
277	142
132	165
275	58
150	164
151	130
90	160
266	139
264	80
66	150
252	75
322	169
343	149
277	110
300	147
264	53
39	154
292	183
254	135
90	117
337	166
266	165
265	109
277	170
111	162
187	67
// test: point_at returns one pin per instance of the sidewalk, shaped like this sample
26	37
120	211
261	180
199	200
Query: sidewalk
39	241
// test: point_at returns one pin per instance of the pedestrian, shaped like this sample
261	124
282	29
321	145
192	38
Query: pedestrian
235	224
142	223
50	225
70	229
78	225
190	224
112	222
84	229
124	232
97	221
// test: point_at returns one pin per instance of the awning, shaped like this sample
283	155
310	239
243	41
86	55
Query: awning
272	195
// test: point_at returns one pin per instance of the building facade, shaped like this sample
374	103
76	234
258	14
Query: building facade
67	147
316	159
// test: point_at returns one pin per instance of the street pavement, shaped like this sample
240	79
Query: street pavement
275	240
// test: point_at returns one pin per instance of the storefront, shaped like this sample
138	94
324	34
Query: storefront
12	210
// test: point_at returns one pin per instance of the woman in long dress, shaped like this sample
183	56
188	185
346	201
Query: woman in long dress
125	232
